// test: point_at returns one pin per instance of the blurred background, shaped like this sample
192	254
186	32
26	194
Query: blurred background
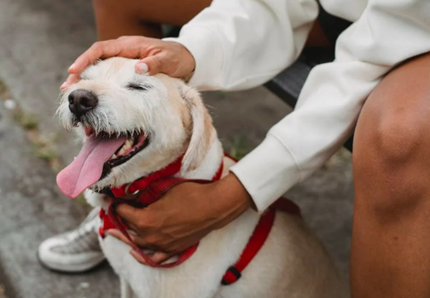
38	42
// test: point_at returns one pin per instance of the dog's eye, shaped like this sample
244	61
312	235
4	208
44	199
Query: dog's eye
139	87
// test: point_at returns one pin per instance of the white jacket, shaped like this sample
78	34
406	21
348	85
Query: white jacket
240	44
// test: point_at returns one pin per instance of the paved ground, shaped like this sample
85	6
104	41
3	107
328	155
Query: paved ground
32	209
39	40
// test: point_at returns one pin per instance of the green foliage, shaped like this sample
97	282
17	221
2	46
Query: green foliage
238	147
26	120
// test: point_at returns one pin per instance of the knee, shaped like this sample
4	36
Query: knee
391	147
393	127
397	138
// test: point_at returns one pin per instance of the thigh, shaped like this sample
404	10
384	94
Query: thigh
169	12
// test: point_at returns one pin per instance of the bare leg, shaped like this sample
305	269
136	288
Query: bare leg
391	228
116	18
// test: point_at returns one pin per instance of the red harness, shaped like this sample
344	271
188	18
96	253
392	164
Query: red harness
149	189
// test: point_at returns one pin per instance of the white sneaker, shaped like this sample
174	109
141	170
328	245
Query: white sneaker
75	251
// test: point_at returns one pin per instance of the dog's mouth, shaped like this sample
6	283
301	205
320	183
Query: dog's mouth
134	144
101	152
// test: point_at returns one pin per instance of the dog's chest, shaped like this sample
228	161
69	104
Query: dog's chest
199	276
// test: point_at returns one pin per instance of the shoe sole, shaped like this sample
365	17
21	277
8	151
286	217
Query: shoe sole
80	268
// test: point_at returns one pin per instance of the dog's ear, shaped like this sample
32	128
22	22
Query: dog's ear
201	129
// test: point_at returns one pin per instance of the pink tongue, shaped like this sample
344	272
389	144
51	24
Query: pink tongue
87	168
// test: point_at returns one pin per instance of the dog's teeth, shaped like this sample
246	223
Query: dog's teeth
127	144
121	152
113	156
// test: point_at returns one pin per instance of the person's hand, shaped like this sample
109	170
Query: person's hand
157	56
183	216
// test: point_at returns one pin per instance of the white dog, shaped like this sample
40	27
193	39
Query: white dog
134	125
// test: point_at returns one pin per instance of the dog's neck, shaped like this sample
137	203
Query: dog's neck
210	163
206	170
211	168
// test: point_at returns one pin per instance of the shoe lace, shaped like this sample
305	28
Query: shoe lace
89	225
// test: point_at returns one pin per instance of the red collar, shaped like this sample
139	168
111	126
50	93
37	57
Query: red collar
149	189
170	171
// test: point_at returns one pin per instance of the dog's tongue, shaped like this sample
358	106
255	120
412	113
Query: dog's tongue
87	168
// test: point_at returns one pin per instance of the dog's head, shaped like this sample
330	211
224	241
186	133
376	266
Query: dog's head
131	124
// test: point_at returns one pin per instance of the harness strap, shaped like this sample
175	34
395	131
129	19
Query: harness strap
254	245
258	238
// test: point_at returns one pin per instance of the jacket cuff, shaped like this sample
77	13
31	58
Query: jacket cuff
267	172
207	51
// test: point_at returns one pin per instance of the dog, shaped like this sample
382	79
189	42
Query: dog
134	125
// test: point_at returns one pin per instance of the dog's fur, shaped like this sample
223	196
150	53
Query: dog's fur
292	262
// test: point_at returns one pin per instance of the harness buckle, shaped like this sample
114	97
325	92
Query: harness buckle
130	196
231	276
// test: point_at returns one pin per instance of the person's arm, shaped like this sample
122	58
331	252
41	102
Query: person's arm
242	44
387	33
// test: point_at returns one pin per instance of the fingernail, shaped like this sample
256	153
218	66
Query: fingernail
141	68
72	66
137	256
112	231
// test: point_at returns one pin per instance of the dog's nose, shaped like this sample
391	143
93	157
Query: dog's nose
81	101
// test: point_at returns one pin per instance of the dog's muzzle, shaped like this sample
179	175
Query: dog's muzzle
82	101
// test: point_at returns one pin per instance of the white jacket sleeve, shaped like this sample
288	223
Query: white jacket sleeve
239	44
387	33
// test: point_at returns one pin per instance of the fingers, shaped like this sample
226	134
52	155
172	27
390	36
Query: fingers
138	240
71	79
157	257
117	234
138	257
152	64
98	50
130	215
126	46
141	67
